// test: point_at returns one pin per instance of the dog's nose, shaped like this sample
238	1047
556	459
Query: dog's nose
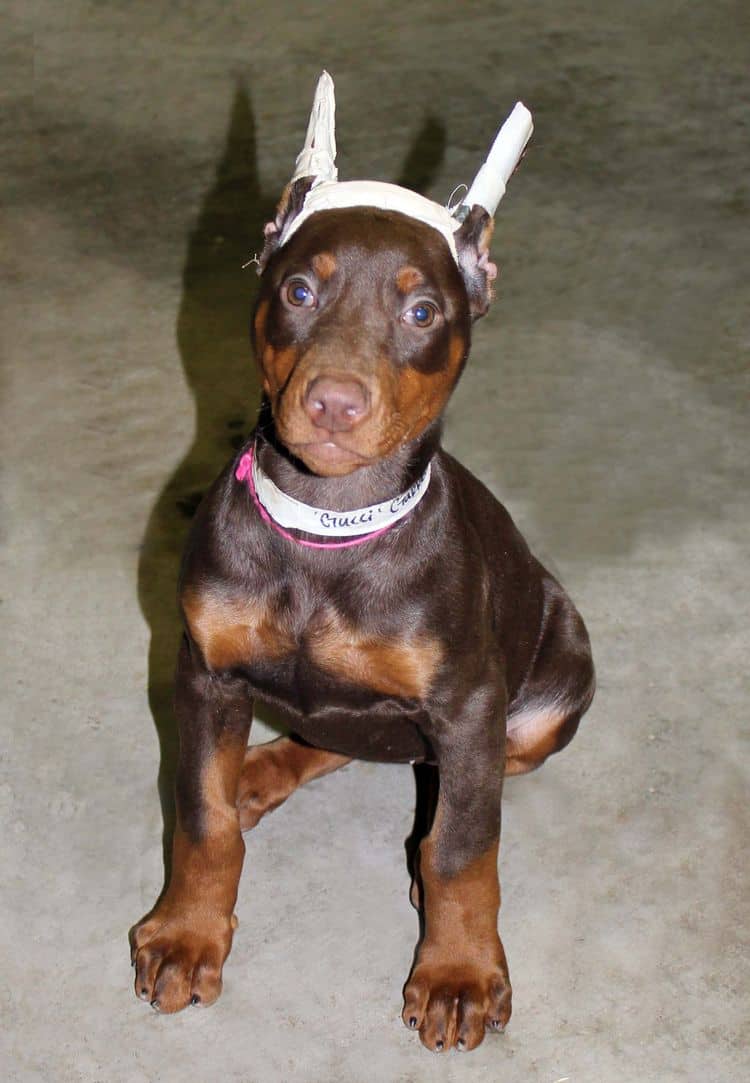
336	405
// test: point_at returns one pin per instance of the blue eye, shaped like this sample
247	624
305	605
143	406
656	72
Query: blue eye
299	294
421	314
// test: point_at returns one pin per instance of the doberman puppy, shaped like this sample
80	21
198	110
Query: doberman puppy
440	640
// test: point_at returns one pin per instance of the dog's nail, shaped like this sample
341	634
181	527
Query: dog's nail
155	1005
143	993
195	999
439	1045
461	1044
412	1021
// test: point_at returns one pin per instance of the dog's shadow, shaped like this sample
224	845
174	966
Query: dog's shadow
213	340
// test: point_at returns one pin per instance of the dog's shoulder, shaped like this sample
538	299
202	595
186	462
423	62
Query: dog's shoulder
477	505
224	542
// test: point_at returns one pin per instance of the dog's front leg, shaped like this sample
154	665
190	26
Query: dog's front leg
459	983
180	947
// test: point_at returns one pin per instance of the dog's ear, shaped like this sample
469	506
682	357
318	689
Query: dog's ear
289	207
473	248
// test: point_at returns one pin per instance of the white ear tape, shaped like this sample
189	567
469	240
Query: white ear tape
318	156
329	195
510	142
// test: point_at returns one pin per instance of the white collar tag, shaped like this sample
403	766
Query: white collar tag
294	515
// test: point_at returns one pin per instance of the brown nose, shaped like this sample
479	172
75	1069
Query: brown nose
336	405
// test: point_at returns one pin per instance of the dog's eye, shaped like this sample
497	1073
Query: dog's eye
299	294
421	314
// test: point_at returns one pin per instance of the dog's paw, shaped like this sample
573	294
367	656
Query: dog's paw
452	1005
178	957
265	783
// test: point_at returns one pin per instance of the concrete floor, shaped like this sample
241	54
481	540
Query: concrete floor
142	146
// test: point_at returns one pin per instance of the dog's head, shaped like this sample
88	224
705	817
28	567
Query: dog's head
362	327
368	293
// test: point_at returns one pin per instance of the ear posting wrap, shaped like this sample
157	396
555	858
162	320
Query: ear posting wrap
317	159
488	187
332	195
318	156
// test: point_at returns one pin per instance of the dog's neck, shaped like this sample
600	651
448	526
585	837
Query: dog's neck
367	485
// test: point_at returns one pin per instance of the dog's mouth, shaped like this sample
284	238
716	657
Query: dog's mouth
328	458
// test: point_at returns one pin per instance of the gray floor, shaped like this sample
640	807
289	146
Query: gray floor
142	145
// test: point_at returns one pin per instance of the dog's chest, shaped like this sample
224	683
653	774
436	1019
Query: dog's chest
259	637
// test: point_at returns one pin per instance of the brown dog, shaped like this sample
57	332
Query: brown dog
437	639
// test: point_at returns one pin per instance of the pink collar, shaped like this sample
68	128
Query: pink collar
248	470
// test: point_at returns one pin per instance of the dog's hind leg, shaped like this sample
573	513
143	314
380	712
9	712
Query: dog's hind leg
273	771
535	733
559	689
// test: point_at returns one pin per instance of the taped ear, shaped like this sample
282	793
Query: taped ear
473	247
290	204
316	164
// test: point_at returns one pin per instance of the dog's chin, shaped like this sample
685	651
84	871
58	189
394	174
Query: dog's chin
328	459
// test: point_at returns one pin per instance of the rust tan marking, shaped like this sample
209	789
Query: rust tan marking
324	265
420	396
273	771
230	633
456	352
408	278
463	909
277	366
394	667
195	863
261	316
219	779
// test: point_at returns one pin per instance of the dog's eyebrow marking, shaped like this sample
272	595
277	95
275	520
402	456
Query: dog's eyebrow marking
392	666
324	265
408	278
231	632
